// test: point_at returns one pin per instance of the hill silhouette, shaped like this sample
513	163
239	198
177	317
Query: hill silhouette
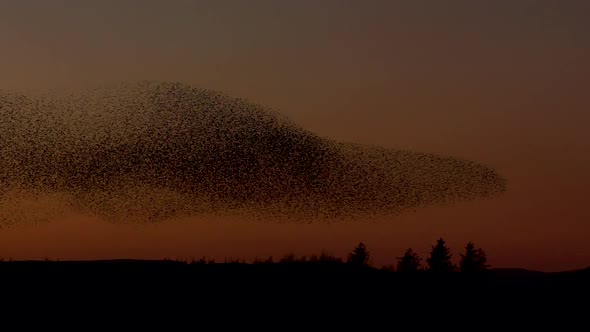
150	151
308	283
287	278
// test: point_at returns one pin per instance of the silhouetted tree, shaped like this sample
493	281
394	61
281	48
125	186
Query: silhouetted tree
474	260
288	258
440	258
234	261
203	260
327	258
257	260
409	262
360	255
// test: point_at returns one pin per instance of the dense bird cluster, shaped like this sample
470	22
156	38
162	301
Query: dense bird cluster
151	151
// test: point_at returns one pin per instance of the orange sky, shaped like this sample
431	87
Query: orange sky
503	83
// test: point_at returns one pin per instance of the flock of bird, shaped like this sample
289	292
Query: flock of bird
151	151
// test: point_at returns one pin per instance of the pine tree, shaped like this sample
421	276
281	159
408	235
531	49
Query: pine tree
440	258
359	256
409	262
474	260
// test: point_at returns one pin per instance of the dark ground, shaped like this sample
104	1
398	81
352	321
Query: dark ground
296	293
175	278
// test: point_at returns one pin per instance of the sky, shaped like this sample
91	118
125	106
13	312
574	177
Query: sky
500	82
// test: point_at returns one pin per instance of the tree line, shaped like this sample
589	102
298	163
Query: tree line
439	260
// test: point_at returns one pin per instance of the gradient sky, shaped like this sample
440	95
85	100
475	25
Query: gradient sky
501	82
